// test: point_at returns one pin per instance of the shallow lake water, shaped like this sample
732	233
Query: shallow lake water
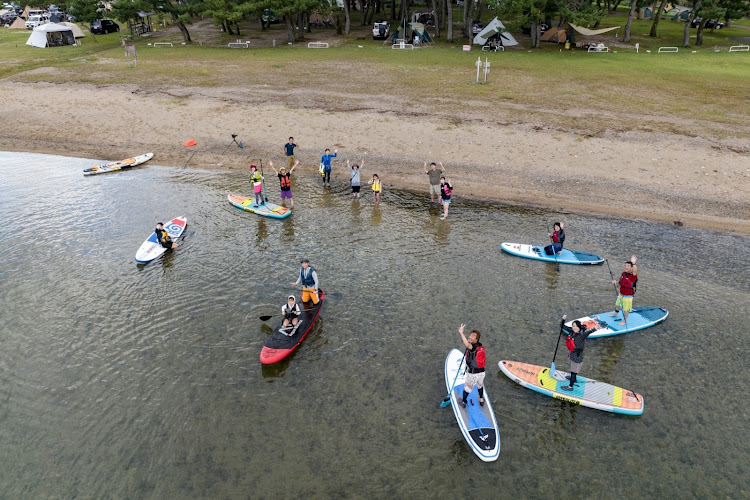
127	381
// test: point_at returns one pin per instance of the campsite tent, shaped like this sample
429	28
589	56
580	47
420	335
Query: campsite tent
414	32
494	27
18	24
77	31
554	35
51	35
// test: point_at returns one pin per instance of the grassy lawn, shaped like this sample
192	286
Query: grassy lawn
616	91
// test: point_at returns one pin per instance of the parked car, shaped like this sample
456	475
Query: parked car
476	27
103	26
380	30
526	30
710	24
35	21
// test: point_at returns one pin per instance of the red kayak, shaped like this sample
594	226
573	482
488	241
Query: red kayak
283	341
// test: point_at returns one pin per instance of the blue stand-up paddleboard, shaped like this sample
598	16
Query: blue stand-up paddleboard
477	423
536	252
151	248
267	209
586	392
639	318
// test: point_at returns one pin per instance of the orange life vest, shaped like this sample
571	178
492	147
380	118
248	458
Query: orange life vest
284	179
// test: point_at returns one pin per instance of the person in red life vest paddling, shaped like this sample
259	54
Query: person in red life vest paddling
475	361
628	281
558	238
162	236
308	278
290	311
285	183
575	342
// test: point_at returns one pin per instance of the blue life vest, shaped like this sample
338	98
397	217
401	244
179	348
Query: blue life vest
307	281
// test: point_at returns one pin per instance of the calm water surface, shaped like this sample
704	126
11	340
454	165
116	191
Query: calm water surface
126	381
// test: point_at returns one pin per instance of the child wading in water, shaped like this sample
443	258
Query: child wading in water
285	183
257	181
445	193
354	172
376	188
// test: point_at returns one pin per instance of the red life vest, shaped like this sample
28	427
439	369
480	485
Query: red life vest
481	357
476	359
569	343
284	179
627	284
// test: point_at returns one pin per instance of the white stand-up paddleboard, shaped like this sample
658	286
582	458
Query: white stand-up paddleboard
605	325
152	249
119	165
586	392
565	256
477	423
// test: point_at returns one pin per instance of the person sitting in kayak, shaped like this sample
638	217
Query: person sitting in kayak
285	183
290	311
628	281
162	236
575	342
257	181
475	360
558	238
308	277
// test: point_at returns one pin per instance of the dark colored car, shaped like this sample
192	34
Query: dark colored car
710	24
102	26
526	30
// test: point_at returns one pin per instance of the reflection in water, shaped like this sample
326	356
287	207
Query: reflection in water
376	215
289	228
442	231
356	212
551	275
609	355
261	232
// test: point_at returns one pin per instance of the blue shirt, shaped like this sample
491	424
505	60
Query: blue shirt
290	148
326	161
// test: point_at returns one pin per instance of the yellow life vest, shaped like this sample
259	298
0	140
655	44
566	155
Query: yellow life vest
376	186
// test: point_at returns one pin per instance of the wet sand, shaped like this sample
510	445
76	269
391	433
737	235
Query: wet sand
668	177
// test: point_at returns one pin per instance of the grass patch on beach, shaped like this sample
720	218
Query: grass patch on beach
615	91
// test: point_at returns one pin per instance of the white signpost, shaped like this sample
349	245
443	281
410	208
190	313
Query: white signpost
480	65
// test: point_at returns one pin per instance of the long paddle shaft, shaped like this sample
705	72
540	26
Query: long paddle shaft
553	253
263	180
552	366
189	158
617	292
447	400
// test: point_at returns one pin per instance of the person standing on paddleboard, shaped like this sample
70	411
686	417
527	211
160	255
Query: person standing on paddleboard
434	175
475	361
557	237
289	151
290	311
354	172
446	190
575	342
257	181
285	183
162	236
628	280
308	278
325	160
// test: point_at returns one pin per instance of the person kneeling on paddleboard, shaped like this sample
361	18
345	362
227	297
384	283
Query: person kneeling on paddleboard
475	360
558	238
257	181
308	277
290	311
162	236
575	342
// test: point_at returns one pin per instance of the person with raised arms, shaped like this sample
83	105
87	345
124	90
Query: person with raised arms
575	342
285	183
434	175
628	281
325	160
354	172
162	236
475	361
557	237
308	278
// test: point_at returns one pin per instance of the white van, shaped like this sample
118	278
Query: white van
35	21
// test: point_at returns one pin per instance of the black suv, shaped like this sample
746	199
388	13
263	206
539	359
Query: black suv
102	26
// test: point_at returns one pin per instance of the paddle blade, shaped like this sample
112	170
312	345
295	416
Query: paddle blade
265	318
446	402
552	369
189	143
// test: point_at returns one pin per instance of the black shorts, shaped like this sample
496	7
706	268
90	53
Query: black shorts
166	244
355	189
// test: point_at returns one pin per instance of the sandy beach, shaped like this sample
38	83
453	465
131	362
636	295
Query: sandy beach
686	180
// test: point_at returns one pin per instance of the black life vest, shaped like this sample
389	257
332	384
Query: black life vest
476	359
162	236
